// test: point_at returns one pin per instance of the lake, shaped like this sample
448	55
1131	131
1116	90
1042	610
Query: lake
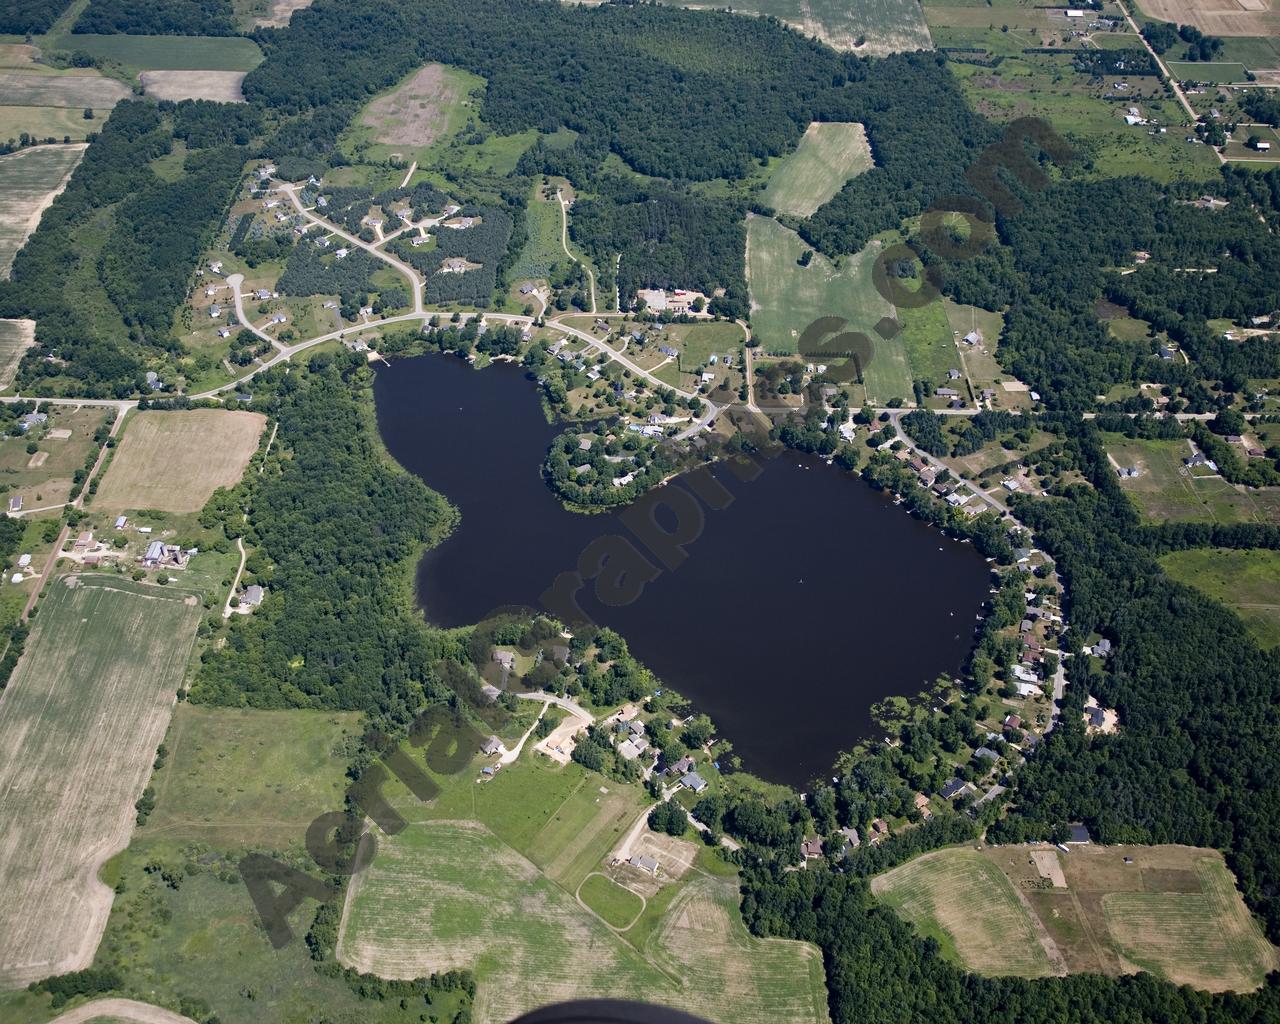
804	600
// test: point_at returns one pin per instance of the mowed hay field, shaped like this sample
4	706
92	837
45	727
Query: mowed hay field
451	895
829	155
786	298
219	86
962	900
29	181
173	461
79	91
430	104
16	336
79	725
1171	910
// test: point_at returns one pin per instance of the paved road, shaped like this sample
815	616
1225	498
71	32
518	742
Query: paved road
291	191
938	466
1164	70
235	281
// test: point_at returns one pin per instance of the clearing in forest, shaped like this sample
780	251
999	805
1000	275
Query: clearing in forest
962	900
1247	582
219	86
30	180
425	107
173	461
79	726
829	154
450	894
786	298
1171	910
867	27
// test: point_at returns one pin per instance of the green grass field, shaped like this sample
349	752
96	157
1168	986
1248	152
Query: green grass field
451	894
50	122
698	342
962	900
159	53
242	778
26	179
786	298
619	906
1248	582
79	726
1253	52
871	27
829	155
542	248
1205	71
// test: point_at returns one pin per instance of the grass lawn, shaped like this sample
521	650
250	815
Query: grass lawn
46	122
619	906
962	900
1247	582
829	155
786	298
451	894
242	778
44	479
698	342
98	679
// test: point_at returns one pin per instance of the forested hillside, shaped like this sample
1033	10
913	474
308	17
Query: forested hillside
158	17
111	260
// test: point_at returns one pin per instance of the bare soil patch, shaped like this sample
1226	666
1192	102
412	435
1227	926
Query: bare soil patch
221	86
416	113
281	12
174	461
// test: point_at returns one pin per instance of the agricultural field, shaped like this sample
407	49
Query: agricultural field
431	104
238	778
79	726
1171	910
451	894
867	27
1165	490
174	461
16	336
44	478
1217	17
1247	582
30	179
786	298
1208	72
21	89
219	86
1256	54
962	900
158	53
829	155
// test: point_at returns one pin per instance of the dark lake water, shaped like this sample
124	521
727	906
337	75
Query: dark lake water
800	604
